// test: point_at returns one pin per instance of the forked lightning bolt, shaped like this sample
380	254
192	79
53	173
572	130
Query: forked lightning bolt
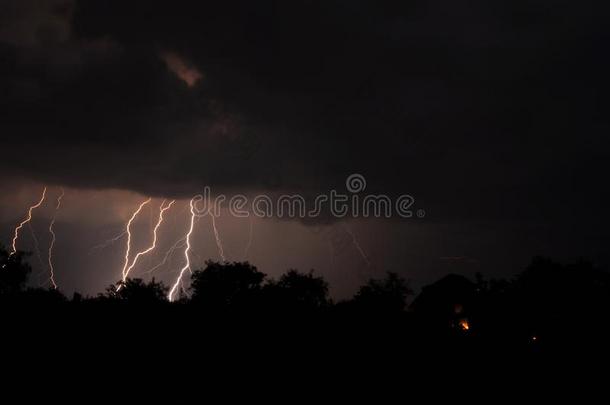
52	244
25	221
187	264
128	230
179	244
162	210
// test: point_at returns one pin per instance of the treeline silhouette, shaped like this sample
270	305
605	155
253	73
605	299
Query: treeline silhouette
548	305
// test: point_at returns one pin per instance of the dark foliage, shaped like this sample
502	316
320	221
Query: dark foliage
136	291
385	296
296	291
226	285
14	272
547	305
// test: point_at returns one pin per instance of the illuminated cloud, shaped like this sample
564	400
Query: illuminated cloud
182	69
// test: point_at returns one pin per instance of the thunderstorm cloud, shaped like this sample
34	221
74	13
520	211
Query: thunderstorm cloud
470	109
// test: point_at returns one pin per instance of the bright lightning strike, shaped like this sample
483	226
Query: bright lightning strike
128	230
25	221
179	244
162	210
221	251
52	244
187	265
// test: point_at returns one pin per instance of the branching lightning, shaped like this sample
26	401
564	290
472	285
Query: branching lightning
185	243
221	251
52	244
128	230
25	221
187	265
108	242
162	210
179	244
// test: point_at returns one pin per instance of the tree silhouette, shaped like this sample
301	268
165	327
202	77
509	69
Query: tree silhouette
223	285
548	305
450	295
555	298
42	297
14	272
297	291
388	295
137	291
448	303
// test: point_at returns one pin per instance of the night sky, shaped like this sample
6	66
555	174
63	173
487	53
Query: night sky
491	114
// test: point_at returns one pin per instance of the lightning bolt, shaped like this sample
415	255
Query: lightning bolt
171	250
218	241
357	246
36	245
162	210
179	244
183	290
108	242
187	265
52	244
128	230
26	221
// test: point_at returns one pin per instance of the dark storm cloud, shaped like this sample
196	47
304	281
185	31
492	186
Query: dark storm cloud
479	109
